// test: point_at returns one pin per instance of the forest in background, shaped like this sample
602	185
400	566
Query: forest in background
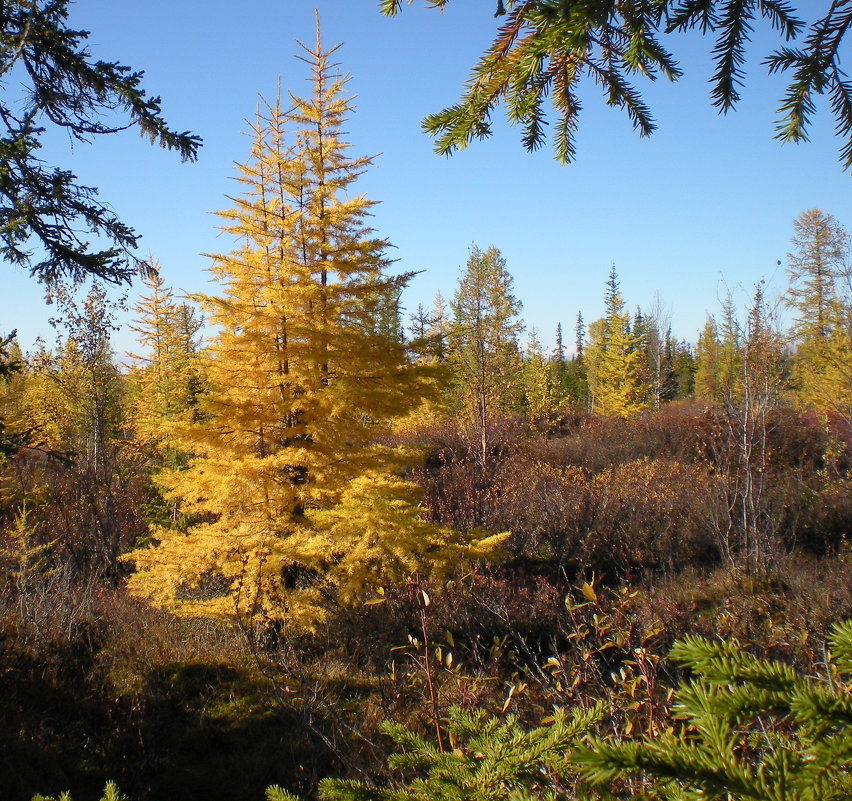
226	563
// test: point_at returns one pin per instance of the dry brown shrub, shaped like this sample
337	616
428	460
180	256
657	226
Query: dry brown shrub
650	515
642	515
595	443
786	614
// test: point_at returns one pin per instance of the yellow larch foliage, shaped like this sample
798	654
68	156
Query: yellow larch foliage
167	378
822	366
538	384
818	298
613	357
297	507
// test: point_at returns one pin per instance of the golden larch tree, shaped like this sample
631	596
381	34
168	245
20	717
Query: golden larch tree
614	358
166	378
297	506
821	329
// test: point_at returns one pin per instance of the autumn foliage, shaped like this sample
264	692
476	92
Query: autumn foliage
282	522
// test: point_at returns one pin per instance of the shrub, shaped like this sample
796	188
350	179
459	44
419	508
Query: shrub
641	515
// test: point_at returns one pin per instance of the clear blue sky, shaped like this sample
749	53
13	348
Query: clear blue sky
706	200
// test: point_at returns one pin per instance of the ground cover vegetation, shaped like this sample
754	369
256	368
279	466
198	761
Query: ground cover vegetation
336	553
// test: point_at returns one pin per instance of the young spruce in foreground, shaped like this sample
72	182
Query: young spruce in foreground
753	730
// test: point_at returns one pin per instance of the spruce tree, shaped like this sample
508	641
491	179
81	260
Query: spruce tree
559	376
419	323
683	369
751	730
576	380
544	49
493	759
439	327
580	334
64	88
110	793
298	507
559	353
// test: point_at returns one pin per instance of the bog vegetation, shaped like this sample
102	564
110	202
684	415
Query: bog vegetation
328	551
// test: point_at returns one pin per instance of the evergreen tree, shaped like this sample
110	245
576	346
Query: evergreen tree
494	759
484	339
419	324
683	369
110	793
559	349
543	50
385	306
439	327
430	329
575	384
580	334
559	375
65	88
639	328
299	509
753	730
